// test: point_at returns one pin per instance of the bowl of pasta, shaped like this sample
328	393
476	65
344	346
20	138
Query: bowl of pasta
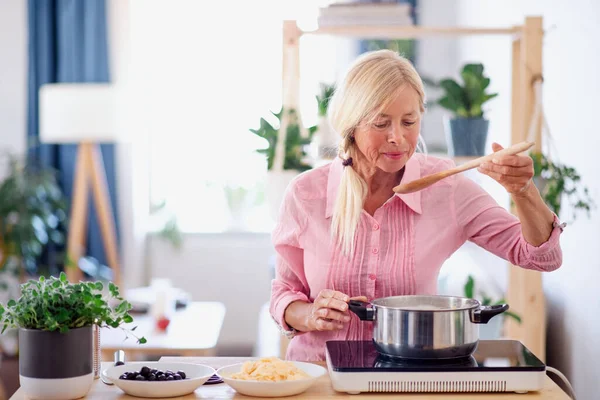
271	377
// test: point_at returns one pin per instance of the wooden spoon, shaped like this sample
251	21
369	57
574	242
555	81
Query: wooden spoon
429	180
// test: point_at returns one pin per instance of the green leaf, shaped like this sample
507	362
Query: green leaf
466	101
142	340
469	287
295	151
513	315
474	69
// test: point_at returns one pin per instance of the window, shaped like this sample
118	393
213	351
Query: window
202	77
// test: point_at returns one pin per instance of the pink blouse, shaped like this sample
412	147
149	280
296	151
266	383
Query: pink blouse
399	250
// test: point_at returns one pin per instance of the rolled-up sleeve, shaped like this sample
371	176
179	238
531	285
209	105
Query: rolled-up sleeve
290	282
483	221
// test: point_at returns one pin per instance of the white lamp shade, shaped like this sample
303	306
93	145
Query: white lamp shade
78	112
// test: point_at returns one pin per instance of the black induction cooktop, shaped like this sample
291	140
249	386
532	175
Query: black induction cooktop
491	355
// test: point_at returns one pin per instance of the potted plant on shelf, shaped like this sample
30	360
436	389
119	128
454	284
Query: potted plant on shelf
554	180
467	131
55	320
295	155
493	329
326	141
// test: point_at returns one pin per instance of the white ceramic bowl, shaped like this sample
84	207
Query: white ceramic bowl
196	375
272	389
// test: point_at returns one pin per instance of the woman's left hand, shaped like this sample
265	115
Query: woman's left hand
512	172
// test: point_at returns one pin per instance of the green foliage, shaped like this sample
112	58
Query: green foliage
466	101
295	153
486	301
404	47
33	213
54	304
170	230
323	98
560	179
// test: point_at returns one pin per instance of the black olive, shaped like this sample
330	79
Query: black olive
161	378
170	378
151	377
182	374
124	376
177	377
140	378
145	371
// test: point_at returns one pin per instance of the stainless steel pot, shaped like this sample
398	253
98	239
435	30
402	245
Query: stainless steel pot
426	327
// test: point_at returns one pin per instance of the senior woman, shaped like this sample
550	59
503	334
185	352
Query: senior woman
343	233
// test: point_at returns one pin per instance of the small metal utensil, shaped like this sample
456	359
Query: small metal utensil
119	360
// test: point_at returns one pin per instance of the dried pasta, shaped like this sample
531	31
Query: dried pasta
270	369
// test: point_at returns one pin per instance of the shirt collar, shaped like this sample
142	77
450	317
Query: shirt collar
412	172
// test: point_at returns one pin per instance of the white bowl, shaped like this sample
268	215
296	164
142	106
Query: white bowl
196	376
271	389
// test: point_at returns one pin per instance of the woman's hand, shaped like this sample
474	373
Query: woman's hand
512	172
329	312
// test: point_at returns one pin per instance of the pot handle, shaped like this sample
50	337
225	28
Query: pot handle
364	310
483	314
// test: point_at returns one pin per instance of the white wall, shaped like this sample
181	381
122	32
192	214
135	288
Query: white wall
436	59
231	268
571	62
13	77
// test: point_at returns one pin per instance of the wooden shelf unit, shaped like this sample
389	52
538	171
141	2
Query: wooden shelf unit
524	292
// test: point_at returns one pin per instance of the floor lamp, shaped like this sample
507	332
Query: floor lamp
84	114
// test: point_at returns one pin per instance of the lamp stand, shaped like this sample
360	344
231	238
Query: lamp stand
89	170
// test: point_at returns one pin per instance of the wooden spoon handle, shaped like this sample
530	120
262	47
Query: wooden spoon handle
429	180
509	151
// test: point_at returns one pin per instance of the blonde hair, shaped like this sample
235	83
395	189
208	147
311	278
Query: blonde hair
366	90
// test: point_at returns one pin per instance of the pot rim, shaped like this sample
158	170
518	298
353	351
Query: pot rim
56	331
475	304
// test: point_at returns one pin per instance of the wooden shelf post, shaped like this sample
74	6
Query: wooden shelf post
525	293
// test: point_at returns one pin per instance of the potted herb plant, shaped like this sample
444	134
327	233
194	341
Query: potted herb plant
467	131
493	329
554	180
55	319
295	155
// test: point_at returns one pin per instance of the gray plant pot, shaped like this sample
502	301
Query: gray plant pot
54	365
467	136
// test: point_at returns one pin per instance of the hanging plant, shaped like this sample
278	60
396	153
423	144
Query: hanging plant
555	180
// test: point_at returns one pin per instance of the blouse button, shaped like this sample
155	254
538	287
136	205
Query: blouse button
372	277
375	250
375	227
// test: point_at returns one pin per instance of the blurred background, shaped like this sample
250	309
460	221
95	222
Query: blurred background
196	88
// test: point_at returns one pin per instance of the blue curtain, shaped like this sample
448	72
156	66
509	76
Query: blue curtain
68	43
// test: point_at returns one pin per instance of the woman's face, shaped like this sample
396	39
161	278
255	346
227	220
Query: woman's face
392	138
